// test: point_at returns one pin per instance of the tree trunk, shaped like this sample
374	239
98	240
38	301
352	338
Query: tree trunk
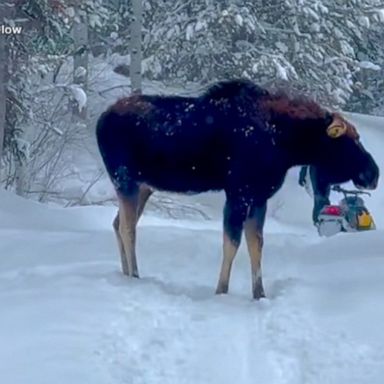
3	77
135	46
80	62
3	90
21	179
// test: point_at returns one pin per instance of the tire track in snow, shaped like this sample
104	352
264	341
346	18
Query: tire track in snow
146	342
302	352
175	339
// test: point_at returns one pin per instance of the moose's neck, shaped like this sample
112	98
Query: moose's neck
301	140
298	126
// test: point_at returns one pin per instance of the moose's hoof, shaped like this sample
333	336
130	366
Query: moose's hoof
134	275
221	289
258	293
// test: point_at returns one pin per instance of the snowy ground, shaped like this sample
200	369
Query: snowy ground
69	316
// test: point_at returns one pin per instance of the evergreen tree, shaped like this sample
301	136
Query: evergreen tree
310	44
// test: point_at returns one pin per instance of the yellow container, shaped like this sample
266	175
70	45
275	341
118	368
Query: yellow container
364	220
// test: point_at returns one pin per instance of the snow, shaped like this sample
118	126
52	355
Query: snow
70	11
369	65
189	32
69	316
380	13
199	25
239	20
281	71
282	46
79	95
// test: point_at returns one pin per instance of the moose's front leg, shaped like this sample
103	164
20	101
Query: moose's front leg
234	217
253	228
321	191
123	257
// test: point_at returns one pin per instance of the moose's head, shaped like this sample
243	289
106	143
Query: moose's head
342	153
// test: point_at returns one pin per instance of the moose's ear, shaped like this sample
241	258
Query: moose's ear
337	127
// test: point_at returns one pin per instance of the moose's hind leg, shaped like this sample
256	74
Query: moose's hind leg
253	229
127	230
124	262
144	194
233	227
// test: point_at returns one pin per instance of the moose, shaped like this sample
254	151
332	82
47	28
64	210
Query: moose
235	136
